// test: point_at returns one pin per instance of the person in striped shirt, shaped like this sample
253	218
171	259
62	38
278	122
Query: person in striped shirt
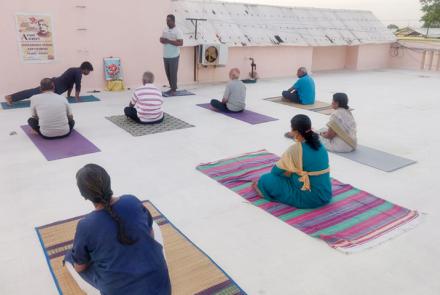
146	103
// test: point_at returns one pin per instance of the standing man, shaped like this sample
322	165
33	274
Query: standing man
62	84
303	91
51	114
172	39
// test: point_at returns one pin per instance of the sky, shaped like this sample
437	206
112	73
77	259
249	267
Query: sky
399	12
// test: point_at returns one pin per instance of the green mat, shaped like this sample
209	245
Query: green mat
27	103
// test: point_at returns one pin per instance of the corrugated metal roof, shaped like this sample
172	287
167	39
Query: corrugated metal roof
238	24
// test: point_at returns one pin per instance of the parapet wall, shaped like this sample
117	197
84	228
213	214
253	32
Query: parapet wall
416	55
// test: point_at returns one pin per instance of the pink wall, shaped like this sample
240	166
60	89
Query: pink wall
127	29
271	62
351	58
417	56
329	58
407	59
367	57
373	56
283	61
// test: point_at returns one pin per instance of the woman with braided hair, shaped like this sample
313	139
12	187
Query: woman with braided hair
114	249
301	178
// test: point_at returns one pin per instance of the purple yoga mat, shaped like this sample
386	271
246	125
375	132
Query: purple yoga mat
245	116
55	149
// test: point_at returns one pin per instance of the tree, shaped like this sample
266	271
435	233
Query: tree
431	16
392	27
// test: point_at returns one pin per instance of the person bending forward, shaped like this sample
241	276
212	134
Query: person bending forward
63	83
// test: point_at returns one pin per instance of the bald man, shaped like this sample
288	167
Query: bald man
235	95
146	103
51	114
303	91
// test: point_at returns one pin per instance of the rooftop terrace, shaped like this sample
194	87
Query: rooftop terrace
397	111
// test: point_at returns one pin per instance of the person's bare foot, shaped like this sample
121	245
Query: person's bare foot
8	99
34	132
255	187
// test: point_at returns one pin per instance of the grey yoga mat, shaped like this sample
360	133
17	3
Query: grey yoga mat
377	159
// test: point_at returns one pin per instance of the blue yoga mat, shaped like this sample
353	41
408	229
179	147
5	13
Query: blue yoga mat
26	103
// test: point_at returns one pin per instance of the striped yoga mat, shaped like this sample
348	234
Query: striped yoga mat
191	270
354	220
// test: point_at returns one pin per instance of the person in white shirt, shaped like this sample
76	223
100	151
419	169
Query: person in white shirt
172	39
51	114
146	103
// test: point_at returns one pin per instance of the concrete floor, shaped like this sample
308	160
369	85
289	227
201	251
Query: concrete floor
397	111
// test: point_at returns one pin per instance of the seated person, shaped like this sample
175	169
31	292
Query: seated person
51	114
235	95
340	137
63	83
301	178
303	91
146	103
115	248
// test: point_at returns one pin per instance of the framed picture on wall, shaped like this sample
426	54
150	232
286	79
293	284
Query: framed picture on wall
35	37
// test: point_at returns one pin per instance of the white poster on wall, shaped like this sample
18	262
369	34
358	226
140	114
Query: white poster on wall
35	37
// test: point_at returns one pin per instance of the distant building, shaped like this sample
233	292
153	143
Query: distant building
418	32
